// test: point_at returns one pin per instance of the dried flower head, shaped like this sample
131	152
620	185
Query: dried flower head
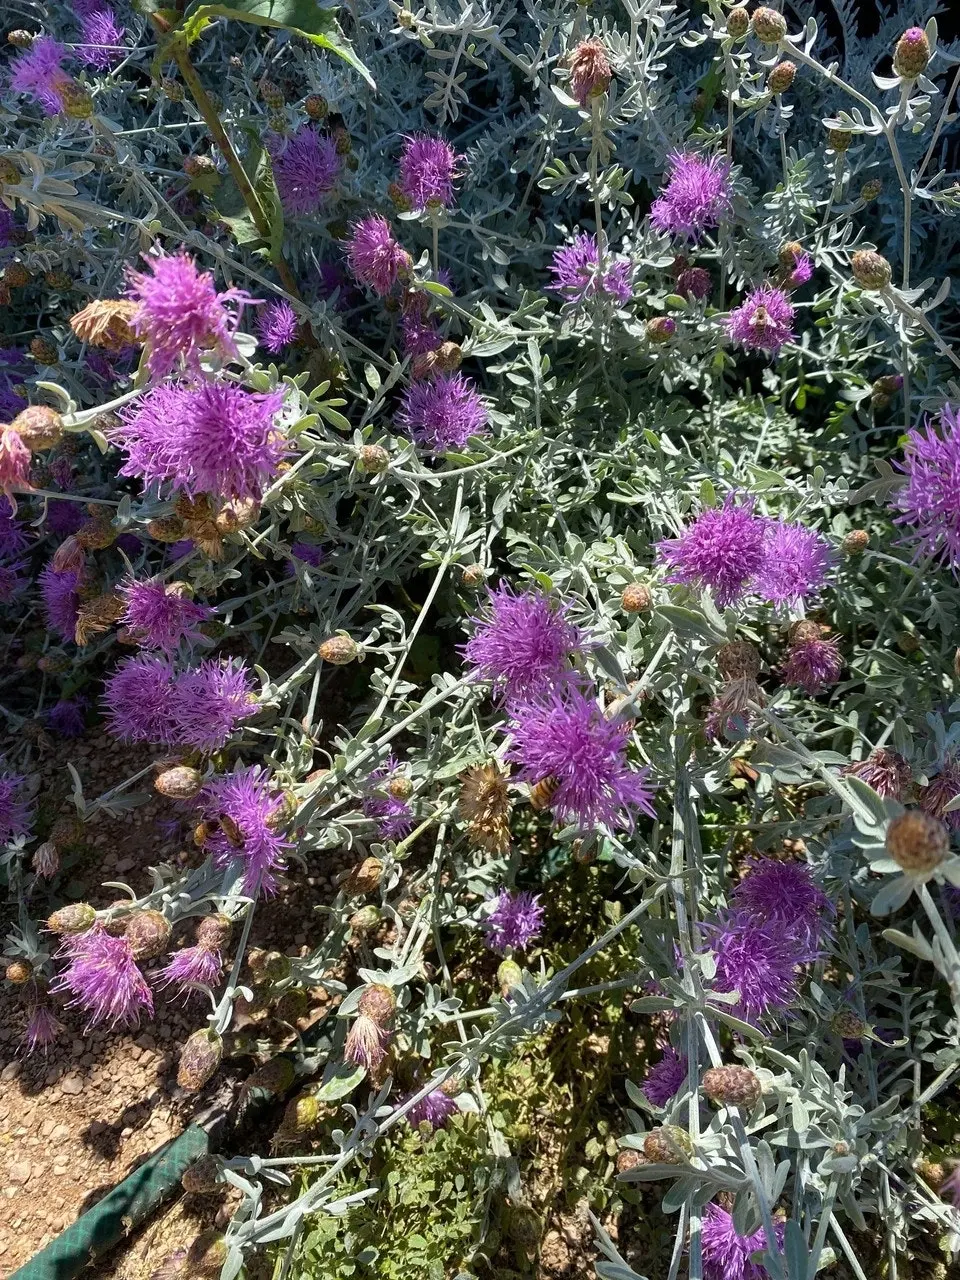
812	664
200	1060
917	841
886	771
106	323
485	806
590	71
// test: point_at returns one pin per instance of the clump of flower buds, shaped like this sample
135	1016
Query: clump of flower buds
870	270
668	1144
199	1059
917	841
181	782
636	598
732	1087
769	26
782	76
912	53
77	917
148	933
339	650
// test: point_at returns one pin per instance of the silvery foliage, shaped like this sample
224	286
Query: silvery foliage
603	445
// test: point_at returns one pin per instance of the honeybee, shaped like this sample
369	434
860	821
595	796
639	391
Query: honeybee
760	318
542	792
224	823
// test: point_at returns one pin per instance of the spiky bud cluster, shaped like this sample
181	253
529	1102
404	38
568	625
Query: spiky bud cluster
732	1087
855	542
917	841
339	650
782	76
57	279
660	329
870	270
180	782
636	598
668	1144
769	26
373	459
342	141
39	427
738	660
148	933
738	22
199	1059
76	917
166	528
911	54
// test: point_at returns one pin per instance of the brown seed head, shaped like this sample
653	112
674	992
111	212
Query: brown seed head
363	878
839	140
268	966
44	351
275	1076
373	459
199	1059
732	1087
485	805
20	39
339	650
636	598
590	71
472	575
18	972
98	615
97	533
849	1025
16	275
804	632
206	1256
106	323
917	841
166	528
628	1159
39	427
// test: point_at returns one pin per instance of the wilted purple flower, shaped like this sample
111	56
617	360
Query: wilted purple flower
159	615
427	167
756	958
374	256
795	564
763	321
697	195
101	38
248	799
886	771
16	812
66	718
945	787
523	642
812	665
726	1254
435	1110
215	438
723	549
138	699
443	413
786	892
306	168
181	315
420	335
60	600
42	1029
192	967
38	71
278	326
664	1080
208	702
103	978
565	736
577	275
696	282
515	921
929	502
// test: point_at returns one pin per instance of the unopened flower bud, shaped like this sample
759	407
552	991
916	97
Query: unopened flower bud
769	26
406	20
68	557
695	282
202	1177
365	919
10	175
199	166
628	1159
732	1087
917	841
668	1144
206	1256
738	22
839	140
20	39
148	933
378	1003
636	598
472	575
268	966
338	650
239	513
660	329
912	53
316	106
398	197
213	932
16	275
97	533
293	1005
870	270
77	917
363	878
400	788
870	190
77	102
449	356
43	351
54	663
509	975
855	542
848	1025
887	385
275	1076
803	632
18	972
301	1114
46	860
271	95
342	141
907	642
179	783
782	76
199	1059
739	660
373	459
173	89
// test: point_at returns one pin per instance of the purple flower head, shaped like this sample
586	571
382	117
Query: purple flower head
60	600
308	553
42	1029
16	812
663	1081
104	979
515	921
419	334
723	549
38	71
247	797
375	258
795	564
181	315
726	1254
192	967
306	168
577	275
177	550
208	702
756	958
786	892
101	39
277	326
13	535
801	273
443	413
944	788
886	771
159	616
138	699
63	518
812	665
427	170
565	736
393	814
435	1110
67	718
763	321
696	197
523	642
7	227
211	438
929	502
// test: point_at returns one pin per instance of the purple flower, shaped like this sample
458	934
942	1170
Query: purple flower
7	228
16	812
38	71
723	549
801	273
786	892
812	665
664	1080
42	1029
523	642
374	256
66	718
795	564
427	167
63	518
944	788
696	197
306	553
515	921
419	334
763	321
247	798
209	701
159	615
101	38
181	315
565	736
177	550
60	600
756	958
129	544
13	580
929	502
726	1254
211	438
138	699
577	275
886	771
104	979
305	168
278	326
435	1110
394	816
13	535
443	413
193	967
